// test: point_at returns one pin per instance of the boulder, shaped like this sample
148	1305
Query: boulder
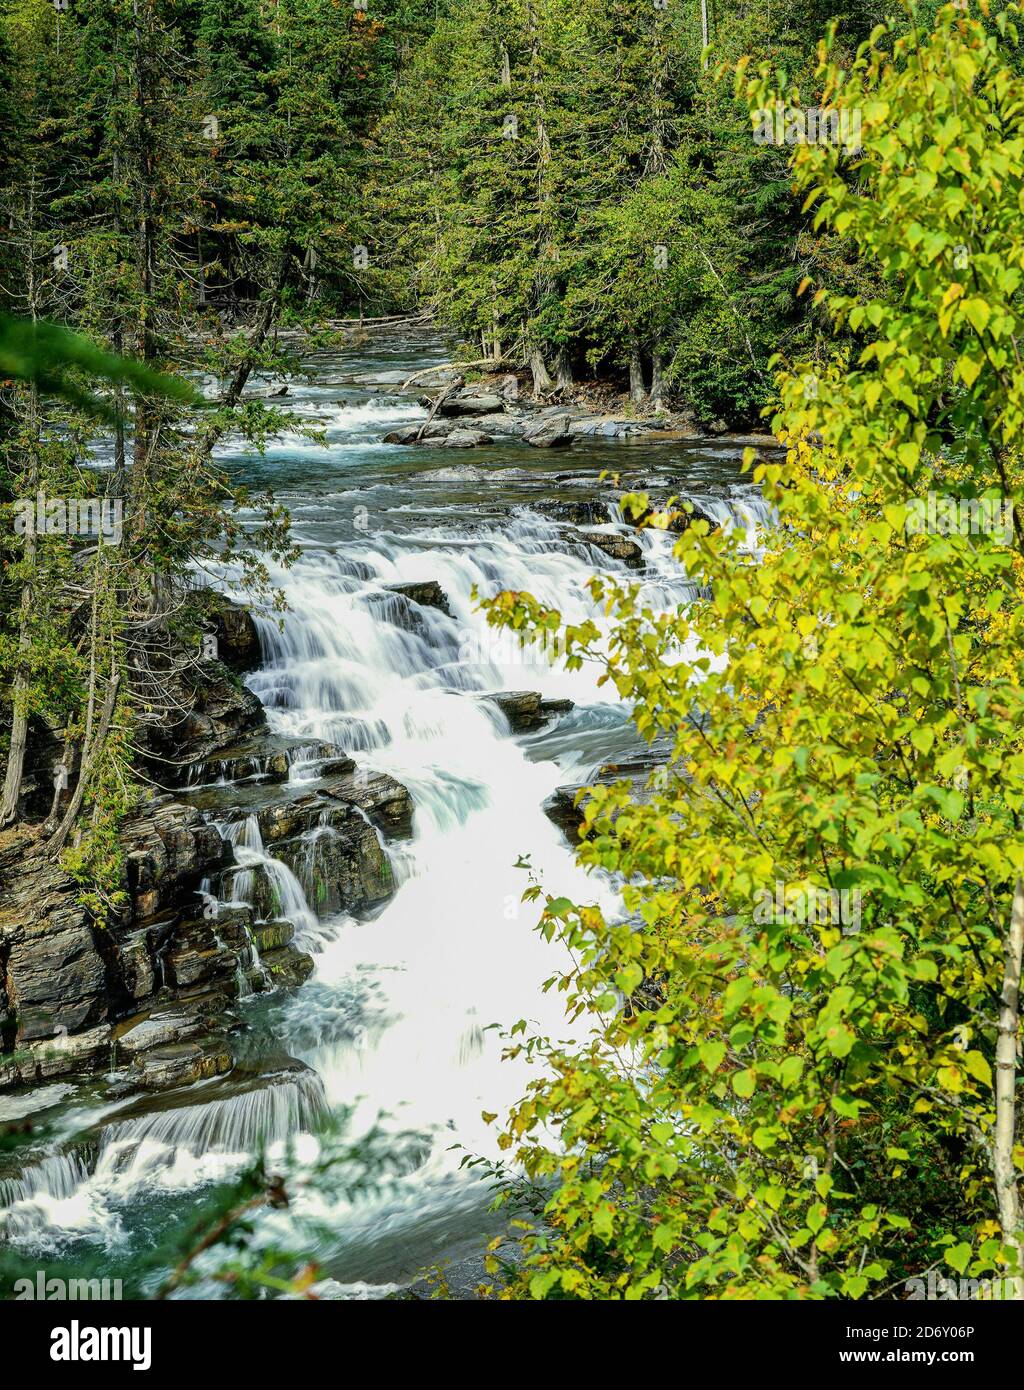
527	710
469	403
565	806
580	513
549	431
288	968
238	643
419	433
612	543
48	1059
466	439
426	592
182	1064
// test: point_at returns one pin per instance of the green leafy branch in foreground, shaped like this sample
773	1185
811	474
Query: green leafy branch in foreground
794	1102
44	354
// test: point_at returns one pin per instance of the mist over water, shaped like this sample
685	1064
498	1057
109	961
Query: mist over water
401	1025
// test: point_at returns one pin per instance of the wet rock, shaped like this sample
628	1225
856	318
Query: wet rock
526	710
182	1064
64	1055
288	968
342	867
462	473
419	433
272	936
238	643
683	512
158	1029
549	431
580	513
612	543
426	592
170	847
266	756
565	806
210	709
208	951
290	809
52	972
466	439
471	403
138	969
333	767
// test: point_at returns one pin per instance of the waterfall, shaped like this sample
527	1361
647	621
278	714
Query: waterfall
401	1025
286	895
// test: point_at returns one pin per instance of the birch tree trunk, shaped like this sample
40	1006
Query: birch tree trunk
1004	1172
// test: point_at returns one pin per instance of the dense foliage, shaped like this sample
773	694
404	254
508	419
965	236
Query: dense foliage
783	1101
770	1102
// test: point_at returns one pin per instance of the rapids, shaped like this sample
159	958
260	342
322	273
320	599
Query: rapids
401	1025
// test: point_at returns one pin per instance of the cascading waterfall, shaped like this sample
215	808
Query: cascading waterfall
400	1026
78	1192
286	894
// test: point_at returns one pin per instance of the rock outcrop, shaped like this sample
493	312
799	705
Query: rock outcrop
565	806
427	592
549	431
151	991
527	710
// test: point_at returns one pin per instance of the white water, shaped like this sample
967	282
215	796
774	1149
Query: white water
403	1021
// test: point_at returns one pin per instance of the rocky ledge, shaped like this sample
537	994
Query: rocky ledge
469	416
566	804
208	917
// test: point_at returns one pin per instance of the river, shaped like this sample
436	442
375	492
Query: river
401	1025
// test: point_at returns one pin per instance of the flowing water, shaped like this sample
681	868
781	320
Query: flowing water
400	1029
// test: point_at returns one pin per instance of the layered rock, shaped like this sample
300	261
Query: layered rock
151	991
527	710
612	543
566	804
549	431
426	592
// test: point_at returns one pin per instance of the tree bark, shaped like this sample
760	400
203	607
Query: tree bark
1004	1172
637	390
90	755
542	382
19	698
657	377
563	368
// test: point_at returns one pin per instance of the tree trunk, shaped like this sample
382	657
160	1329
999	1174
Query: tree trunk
563	368
1004	1172
91	753
637	390
657	378
19	720
542	382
